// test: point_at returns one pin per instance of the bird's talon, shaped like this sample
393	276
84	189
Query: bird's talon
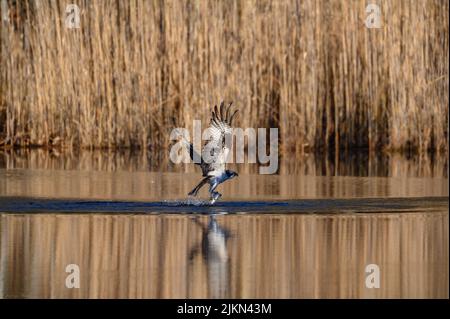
215	196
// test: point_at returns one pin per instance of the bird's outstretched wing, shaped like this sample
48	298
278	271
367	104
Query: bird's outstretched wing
216	150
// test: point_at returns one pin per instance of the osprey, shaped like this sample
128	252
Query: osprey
215	152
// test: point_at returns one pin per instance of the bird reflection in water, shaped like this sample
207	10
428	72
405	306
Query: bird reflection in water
213	249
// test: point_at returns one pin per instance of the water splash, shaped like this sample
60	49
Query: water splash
190	201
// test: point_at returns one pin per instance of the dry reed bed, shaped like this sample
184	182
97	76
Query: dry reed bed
136	69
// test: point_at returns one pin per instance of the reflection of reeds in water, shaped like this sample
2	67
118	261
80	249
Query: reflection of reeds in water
352	164
136	69
157	186
291	256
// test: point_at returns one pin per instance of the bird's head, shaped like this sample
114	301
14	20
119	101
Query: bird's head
231	174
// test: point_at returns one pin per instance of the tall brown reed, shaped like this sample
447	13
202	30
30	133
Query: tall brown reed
136	69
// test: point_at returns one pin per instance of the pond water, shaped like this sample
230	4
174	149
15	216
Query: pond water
310	231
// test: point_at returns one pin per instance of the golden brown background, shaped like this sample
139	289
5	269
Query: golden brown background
136	69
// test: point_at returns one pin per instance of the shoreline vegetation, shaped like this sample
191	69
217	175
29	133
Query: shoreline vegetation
135	70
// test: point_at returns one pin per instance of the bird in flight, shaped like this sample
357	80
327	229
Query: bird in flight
215	152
